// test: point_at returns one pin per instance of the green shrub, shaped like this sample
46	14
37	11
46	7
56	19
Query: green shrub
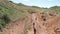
2	22
31	11
6	18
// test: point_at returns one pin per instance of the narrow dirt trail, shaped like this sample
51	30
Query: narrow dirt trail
38	26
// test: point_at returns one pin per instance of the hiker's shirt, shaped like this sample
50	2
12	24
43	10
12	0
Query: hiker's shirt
34	21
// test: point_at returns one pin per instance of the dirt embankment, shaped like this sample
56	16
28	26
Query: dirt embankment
35	23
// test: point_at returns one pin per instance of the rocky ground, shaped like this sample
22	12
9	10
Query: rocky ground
35	23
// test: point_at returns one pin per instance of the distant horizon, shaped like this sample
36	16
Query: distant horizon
39	3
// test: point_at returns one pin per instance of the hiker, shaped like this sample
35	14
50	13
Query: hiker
34	28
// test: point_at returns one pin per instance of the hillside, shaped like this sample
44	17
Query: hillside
11	10
20	16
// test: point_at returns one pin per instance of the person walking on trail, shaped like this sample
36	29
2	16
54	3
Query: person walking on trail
34	28
34	22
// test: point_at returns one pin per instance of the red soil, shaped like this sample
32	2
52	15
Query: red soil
50	26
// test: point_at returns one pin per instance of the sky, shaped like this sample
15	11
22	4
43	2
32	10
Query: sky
39	3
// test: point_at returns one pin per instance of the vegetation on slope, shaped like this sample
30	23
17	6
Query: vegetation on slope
10	12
